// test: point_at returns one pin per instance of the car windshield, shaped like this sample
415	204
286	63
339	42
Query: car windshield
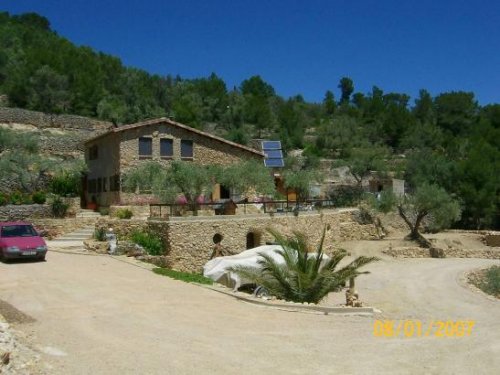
18	231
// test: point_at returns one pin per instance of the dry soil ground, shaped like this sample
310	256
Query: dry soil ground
98	315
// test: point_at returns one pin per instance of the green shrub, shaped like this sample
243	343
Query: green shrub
151	242
100	234
104	211
3	199
17	198
39	197
491	282
123	213
184	276
66	184
59	208
346	196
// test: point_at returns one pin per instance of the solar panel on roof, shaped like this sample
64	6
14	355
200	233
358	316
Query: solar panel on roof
273	154
275	163
271	145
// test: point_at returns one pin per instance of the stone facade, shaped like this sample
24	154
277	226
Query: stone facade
114	153
190	241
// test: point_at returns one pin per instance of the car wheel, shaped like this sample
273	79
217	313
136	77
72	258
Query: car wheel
41	258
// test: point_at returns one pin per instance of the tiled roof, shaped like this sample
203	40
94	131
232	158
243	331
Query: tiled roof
164	120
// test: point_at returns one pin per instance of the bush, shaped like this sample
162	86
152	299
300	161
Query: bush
66	184
59	208
184	276
104	211
3	199
152	243
123	213
346	196
100	234
39	197
491	282
19	198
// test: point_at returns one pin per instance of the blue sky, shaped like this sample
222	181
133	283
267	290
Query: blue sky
297	46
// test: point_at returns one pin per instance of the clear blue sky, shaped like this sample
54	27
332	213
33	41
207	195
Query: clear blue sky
296	46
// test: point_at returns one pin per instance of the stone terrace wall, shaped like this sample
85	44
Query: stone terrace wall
43	120
13	212
189	241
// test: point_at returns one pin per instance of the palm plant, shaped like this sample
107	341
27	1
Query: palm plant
301	276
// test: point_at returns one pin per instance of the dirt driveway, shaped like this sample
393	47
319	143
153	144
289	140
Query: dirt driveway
98	315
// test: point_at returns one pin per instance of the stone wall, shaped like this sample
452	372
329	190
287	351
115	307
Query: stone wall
43	120
13	212
57	135
190	241
57	227
206	150
137	211
492	239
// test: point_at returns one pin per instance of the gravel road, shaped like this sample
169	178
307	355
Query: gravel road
98	315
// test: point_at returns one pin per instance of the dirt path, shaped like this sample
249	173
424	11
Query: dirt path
97	315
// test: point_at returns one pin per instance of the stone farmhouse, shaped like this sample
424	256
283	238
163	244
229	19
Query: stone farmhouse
111	154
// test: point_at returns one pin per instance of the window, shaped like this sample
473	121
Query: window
186	149
93	153
166	148
145	147
99	185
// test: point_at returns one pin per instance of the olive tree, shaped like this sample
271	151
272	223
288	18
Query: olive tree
428	202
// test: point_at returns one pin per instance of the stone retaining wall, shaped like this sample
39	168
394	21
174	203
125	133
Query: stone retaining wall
418	252
12	212
57	227
190	241
492	240
43	120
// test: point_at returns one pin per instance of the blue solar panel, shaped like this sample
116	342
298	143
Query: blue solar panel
271	145
273	154
274	163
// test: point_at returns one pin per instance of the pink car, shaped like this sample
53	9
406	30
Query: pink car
21	240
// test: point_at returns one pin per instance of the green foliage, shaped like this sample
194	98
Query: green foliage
104	211
245	176
183	276
346	86
441	137
100	234
346	196
385	201
300	181
363	160
491	282
142	179
151	242
431	202
3	199
59	208
39	197
18	197
123	213
302	277
66	184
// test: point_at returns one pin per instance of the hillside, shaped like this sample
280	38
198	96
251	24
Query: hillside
448	140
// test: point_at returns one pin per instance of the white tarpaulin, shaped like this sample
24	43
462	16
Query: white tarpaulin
217	268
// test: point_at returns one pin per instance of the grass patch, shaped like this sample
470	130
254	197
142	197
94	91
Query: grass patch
183	276
488	280
151	242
